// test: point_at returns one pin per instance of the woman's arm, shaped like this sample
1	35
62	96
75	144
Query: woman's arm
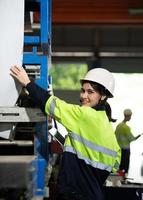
38	94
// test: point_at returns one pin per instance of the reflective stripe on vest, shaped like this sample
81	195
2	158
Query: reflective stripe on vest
93	146
88	161
52	107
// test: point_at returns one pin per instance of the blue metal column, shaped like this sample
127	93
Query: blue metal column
33	58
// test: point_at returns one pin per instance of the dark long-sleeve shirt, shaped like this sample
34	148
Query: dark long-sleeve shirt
38	94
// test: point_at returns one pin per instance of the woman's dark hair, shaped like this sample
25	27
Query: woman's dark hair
109	112
98	88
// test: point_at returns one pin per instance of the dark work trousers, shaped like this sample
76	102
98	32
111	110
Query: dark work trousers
125	158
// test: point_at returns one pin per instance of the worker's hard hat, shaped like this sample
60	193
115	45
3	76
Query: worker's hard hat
127	112
103	77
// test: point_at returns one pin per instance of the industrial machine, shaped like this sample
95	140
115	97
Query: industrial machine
24	157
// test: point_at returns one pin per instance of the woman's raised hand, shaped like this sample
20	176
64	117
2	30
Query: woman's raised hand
19	74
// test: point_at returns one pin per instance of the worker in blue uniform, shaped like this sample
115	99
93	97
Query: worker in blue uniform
91	151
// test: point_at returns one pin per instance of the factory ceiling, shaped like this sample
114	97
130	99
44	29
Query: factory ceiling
97	12
99	32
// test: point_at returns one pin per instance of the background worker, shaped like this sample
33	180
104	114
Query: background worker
125	137
91	150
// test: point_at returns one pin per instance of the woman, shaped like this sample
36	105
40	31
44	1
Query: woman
90	151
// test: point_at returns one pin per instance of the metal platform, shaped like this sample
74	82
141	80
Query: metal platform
17	171
21	114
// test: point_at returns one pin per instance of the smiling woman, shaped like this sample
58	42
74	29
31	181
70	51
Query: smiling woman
88	151
89	96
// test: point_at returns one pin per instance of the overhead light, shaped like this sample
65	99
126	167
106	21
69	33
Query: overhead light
72	54
101	54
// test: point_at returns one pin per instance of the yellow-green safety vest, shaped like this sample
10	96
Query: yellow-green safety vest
124	135
90	134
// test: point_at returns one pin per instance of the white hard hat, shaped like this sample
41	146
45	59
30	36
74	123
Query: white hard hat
103	77
127	112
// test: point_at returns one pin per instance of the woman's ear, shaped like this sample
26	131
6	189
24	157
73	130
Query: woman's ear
103	98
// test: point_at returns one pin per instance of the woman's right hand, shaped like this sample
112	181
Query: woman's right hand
19	74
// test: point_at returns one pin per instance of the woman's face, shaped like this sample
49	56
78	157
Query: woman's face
88	96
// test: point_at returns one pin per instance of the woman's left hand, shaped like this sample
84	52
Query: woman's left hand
19	74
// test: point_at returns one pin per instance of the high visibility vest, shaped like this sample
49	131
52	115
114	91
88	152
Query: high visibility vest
124	135
90	134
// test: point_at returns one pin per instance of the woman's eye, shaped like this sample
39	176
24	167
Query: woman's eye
90	91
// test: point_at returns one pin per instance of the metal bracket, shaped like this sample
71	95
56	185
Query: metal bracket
21	114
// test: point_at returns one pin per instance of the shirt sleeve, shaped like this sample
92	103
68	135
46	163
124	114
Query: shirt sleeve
38	95
66	113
